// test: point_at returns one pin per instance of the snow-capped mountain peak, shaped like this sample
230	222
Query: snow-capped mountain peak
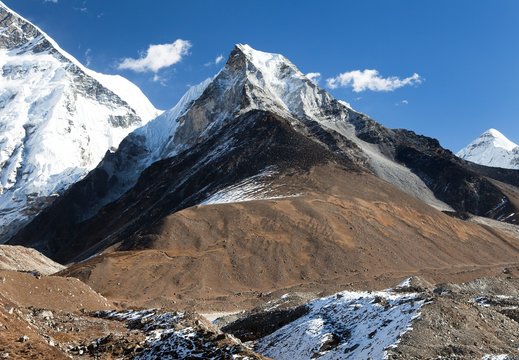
57	118
273	82
23	36
499	140
492	148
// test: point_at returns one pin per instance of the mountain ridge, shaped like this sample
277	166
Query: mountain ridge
152	171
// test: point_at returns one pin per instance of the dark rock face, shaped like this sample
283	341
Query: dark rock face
261	324
463	185
255	142
16	32
456	185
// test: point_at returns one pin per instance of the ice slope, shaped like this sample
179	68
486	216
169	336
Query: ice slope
492	148
347	325
57	119
146	145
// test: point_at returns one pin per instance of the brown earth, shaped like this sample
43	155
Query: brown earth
50	292
40	315
34	333
20	258
346	230
52	318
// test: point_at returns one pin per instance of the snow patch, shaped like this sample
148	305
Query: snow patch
254	188
353	325
171	335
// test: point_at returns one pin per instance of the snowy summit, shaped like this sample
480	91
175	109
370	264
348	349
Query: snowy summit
492	148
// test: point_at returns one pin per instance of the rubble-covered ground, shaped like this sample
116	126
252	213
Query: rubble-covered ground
414	320
50	317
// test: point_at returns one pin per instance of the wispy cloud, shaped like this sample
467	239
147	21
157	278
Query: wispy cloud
216	61
362	80
88	57
402	102
157	57
83	8
51	1
160	79
314	77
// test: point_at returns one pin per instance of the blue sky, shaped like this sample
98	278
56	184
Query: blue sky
465	52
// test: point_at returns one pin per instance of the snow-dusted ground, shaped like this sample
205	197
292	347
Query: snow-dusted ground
492	149
347	325
257	187
170	335
497	357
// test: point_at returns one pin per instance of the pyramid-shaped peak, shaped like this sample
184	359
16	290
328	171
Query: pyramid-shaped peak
498	139
263	61
251	52
494	133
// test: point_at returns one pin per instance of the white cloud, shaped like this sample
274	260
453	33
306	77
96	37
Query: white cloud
218	59
52	1
157	57
159	79
405	102
371	80
314	77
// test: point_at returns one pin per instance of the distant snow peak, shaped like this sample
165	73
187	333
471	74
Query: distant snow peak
499	140
492	148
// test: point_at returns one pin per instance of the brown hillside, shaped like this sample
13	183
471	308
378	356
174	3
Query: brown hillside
346	230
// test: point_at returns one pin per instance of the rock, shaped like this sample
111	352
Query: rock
23	339
46	315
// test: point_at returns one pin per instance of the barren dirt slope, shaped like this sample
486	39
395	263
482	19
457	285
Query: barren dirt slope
345	230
